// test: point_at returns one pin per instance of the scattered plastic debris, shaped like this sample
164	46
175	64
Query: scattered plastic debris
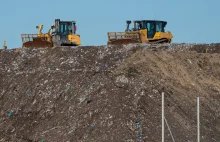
91	126
10	113
106	65
71	89
86	134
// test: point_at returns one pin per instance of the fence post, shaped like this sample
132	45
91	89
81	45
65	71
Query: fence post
162	116
198	121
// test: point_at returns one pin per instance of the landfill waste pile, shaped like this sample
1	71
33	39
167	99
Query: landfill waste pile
109	94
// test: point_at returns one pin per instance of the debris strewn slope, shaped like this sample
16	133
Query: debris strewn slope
98	94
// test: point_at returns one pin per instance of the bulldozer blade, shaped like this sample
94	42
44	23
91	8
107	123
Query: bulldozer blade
122	41
37	43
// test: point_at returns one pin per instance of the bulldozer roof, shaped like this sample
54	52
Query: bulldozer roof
149	21
63	21
67	21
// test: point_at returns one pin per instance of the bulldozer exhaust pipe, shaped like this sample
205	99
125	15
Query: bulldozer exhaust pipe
5	46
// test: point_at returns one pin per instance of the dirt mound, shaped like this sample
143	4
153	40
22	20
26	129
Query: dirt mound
109	94
210	48
200	48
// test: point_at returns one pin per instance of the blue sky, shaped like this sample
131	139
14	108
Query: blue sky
190	21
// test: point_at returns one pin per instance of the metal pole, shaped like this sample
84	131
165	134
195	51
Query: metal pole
5	46
162	116
139	128
198	121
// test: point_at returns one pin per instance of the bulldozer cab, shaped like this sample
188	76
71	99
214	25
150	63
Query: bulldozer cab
64	28
65	33
151	26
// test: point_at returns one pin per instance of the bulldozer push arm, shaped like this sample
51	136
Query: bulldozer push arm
40	28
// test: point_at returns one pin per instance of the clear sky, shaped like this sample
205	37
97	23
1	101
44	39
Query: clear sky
190	21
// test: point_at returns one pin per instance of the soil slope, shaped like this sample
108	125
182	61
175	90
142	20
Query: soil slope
111	94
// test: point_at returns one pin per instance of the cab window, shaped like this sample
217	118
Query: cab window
63	28
70	28
150	29
159	27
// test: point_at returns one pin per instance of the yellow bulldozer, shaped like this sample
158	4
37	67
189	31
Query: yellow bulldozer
143	32
63	33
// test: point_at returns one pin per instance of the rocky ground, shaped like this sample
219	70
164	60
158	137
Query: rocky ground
109	94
